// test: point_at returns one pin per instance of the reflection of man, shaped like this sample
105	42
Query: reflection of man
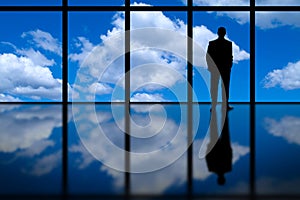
219	62
219	156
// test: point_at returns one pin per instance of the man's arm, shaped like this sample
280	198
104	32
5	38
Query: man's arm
209	55
231	55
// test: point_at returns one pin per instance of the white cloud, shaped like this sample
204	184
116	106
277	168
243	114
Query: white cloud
26	73
202	35
174	175
100	62
287	128
26	133
8	98
44	165
264	20
6	108
85	158
26	127
85	47
44	40
269	20
100	88
287	78
36	57
159	181
36	148
245	2
156	108
222	2
21	76
147	97
238	151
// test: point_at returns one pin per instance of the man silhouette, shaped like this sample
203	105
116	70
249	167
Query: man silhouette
219	62
219	155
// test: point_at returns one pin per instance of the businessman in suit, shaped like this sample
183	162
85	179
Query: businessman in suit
219	61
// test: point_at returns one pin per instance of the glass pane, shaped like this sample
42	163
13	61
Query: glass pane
277	56
221	3
30	149
96	56
96	2
277	146
222	168
89	151
158	56
158	146
158	2
277	3
205	29
31	56
30	3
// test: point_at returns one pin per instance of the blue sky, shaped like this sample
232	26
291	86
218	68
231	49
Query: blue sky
36	40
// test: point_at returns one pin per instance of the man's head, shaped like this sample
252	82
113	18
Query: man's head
221	32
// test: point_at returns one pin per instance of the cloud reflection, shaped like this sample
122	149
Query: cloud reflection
154	182
26	134
287	127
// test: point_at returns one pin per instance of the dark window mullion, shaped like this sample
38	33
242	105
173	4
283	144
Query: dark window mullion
65	98
127	98
190	97
252	98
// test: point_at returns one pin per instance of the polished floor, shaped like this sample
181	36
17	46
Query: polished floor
258	155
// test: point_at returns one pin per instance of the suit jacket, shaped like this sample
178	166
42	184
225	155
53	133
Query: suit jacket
219	54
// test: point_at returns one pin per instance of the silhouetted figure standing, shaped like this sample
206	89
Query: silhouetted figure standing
219	62
219	157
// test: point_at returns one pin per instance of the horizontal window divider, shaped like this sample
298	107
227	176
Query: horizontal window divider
277	8
182	102
30	103
31	8
149	8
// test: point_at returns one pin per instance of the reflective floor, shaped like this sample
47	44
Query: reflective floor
233	155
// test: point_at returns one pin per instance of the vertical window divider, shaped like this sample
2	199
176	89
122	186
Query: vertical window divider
65	98
127	98
252	98
190	97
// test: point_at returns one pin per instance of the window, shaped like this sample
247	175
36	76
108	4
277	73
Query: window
83	81
277	67
31	57
205	26
96	51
